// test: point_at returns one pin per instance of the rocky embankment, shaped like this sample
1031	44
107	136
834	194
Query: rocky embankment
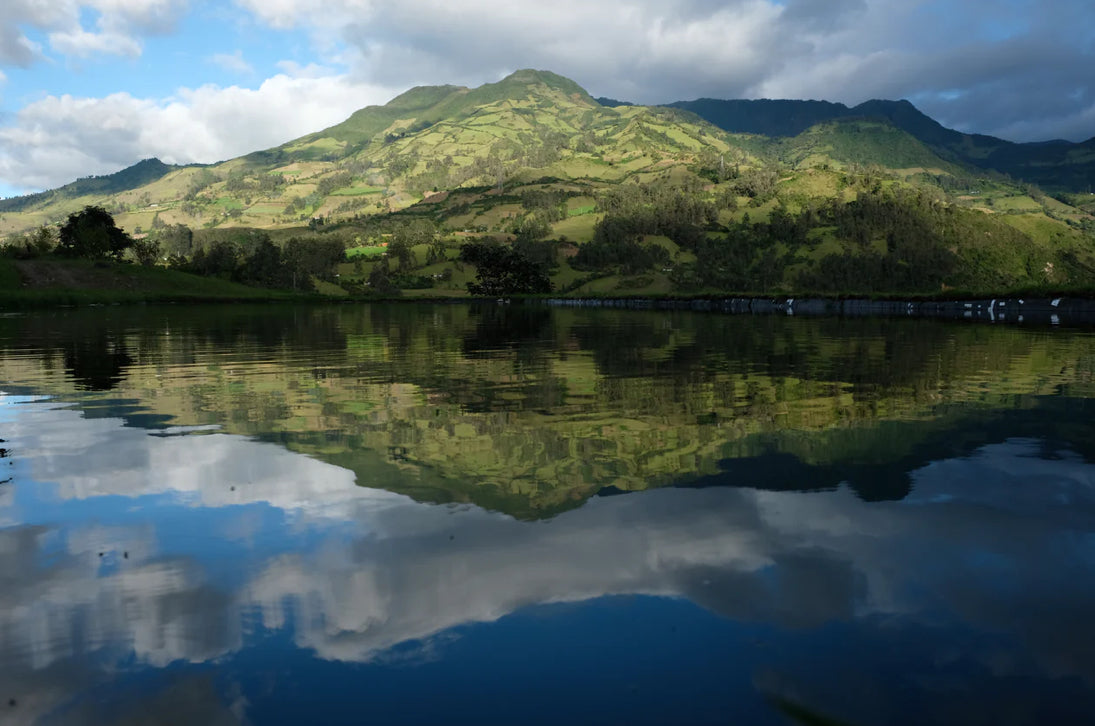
1052	311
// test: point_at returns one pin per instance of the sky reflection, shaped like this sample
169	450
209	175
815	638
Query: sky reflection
122	551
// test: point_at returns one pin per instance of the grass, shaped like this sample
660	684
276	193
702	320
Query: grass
602	286
356	191
1039	226
577	229
10	279
54	282
1017	204
365	252
329	289
81	282
566	276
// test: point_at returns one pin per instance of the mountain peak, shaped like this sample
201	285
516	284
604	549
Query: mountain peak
533	77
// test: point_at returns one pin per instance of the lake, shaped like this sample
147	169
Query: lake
505	514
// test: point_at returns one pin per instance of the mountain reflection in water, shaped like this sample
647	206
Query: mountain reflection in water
829	519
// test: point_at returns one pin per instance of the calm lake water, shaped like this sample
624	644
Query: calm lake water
508	514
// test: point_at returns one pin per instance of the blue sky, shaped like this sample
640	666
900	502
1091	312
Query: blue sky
91	86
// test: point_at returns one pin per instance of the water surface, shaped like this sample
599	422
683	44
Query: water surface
500	514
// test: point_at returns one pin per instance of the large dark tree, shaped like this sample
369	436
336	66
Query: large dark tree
308	258
501	270
92	233
264	267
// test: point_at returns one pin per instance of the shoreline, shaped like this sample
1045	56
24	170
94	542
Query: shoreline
1052	311
1074	308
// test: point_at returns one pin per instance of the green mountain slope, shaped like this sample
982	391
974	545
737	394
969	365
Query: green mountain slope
864	142
531	124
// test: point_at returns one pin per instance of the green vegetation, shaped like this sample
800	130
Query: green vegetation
10	279
355	252
53	282
614	200
85	263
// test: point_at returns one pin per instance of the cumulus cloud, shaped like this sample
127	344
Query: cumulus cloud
80	43
117	26
59	138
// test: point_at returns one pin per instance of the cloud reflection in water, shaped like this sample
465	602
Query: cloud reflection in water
118	544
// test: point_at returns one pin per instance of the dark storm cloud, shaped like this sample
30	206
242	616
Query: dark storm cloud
1016	69
1015	89
822	15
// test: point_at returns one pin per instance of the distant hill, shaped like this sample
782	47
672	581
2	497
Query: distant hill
864	141
138	175
1054	165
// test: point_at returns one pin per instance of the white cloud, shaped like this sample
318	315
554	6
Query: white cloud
149	16
118	26
80	44
61	138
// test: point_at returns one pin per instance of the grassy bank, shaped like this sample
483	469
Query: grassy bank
55	283
52	283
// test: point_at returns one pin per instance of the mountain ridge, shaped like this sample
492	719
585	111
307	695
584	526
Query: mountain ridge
775	118
642	199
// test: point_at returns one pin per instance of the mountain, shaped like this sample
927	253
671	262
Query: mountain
530	125
707	196
1054	165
